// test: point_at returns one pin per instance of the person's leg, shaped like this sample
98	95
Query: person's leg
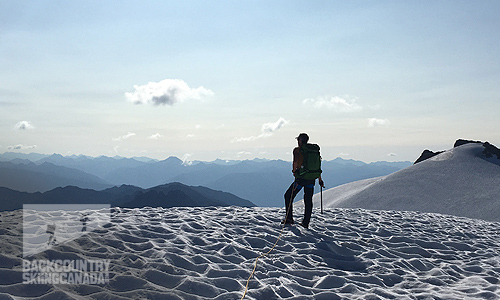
308	205
289	196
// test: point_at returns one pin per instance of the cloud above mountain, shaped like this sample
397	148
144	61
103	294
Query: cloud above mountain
21	147
155	136
166	92
373	122
23	125
124	137
336	104
267	130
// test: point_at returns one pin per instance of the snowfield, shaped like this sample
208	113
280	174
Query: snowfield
208	253
461	181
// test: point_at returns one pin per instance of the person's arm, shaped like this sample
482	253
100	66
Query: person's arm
296	160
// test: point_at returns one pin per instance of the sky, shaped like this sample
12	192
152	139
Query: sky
201	80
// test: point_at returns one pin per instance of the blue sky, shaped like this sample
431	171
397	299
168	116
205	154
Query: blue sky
367	80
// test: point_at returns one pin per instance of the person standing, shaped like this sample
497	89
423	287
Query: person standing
306	168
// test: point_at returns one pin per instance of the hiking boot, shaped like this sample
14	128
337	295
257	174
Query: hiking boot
290	222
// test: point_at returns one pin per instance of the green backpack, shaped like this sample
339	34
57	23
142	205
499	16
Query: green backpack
311	167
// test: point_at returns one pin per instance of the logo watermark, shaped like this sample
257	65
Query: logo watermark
46	226
58	271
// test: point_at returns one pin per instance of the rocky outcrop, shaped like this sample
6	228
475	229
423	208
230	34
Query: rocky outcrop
489	150
426	155
461	142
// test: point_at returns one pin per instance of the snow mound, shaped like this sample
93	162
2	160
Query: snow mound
462	181
208	253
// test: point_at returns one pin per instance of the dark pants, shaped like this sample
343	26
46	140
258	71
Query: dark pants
290	194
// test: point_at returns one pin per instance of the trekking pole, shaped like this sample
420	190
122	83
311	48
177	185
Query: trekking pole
321	197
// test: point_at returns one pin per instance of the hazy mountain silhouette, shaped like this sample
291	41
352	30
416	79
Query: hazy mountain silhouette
26	176
261	181
168	195
98	166
177	194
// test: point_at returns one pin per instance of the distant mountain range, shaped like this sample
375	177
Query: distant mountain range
261	181
462	181
168	195
29	177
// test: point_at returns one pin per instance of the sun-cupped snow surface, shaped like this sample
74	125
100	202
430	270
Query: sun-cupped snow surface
208	253
461	181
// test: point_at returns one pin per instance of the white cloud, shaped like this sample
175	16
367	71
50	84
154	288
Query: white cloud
372	122
244	139
185	159
243	153
166	92
21	147
23	125
267	130
190	135
155	136
336	104
124	137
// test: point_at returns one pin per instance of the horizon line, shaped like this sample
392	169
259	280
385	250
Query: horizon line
138	158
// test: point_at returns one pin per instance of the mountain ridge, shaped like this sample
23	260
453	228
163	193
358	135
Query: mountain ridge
30	177
261	181
168	195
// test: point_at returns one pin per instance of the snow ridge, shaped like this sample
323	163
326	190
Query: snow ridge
462	181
